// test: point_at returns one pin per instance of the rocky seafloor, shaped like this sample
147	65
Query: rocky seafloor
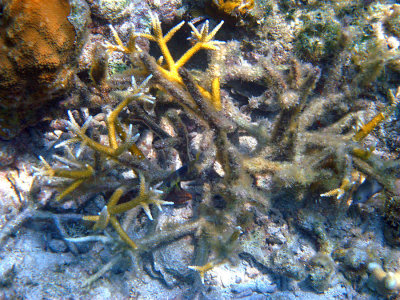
276	152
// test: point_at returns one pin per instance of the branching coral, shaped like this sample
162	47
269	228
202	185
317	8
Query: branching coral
197	102
363	154
310	155
201	40
299	151
83	171
79	174
146	196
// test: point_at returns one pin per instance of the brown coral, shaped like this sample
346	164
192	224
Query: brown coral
37	42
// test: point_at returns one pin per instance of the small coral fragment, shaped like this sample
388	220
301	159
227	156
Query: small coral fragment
232	7
366	129
113	150
224	250
347	184
385	283
146	197
203	269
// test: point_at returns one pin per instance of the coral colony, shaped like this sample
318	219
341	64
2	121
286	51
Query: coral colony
162	112
305	158
37	64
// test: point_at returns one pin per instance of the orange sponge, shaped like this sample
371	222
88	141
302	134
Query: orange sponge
37	43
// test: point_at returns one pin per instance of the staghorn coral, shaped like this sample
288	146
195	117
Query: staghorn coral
120	141
299	143
38	46
309	149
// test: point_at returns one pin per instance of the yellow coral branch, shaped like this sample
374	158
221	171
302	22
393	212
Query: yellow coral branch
216	94
203	269
366	129
121	232
146	196
73	186
120	47
202	40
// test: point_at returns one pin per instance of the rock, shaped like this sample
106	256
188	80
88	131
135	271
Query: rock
7	273
110	10
57	246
